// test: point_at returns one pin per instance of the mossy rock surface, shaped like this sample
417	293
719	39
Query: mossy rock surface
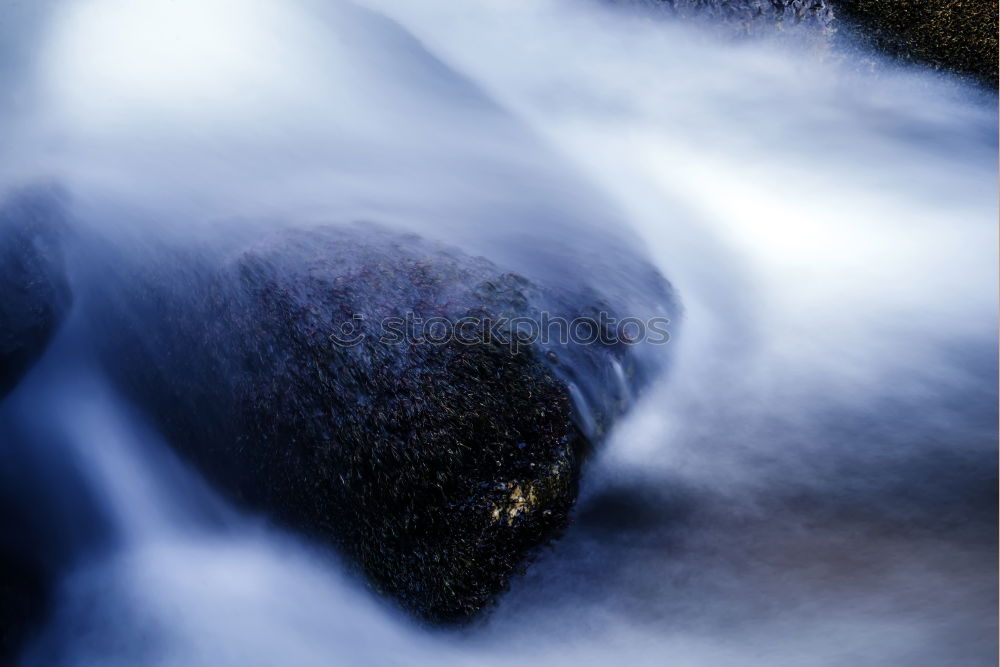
437	469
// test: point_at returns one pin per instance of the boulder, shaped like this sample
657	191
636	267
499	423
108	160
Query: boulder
957	35
34	292
436	465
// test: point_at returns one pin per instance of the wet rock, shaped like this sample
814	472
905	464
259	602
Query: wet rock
34	293
957	35
437	467
750	17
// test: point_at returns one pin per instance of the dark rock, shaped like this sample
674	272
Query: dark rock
436	468
957	35
34	293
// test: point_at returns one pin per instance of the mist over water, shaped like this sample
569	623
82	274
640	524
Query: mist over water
814	482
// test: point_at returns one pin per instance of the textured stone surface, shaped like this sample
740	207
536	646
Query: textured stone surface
436	468
751	16
958	35
34	293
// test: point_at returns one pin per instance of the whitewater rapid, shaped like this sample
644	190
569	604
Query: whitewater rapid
813	483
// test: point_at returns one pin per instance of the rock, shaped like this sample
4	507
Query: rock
34	293
34	296
957	35
751	17
437	469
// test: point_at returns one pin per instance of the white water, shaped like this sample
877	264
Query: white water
811	485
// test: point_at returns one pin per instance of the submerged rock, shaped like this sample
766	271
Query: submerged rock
957	35
34	293
436	466
750	17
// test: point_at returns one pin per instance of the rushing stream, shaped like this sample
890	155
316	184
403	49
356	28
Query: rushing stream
812	483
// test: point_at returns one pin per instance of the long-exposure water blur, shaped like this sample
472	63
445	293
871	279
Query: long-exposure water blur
804	474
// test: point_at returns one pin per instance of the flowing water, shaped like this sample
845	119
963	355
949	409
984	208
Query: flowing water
812	484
